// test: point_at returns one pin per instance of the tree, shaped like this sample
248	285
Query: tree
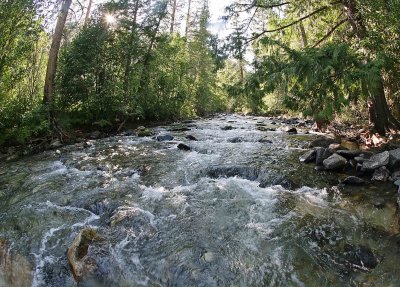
52	62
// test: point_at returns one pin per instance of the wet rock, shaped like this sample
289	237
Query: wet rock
335	146
394	158
15	270
376	161
349	154
381	174
266	129
360	257
309	156
184	147
162	138
143	132
80	263
265	140
100	207
95	135
227	128
335	161
323	141
191	138
103	168
87	144
353	180
56	143
283	181
235	140
291	130
321	155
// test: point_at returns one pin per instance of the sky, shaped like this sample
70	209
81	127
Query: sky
217	10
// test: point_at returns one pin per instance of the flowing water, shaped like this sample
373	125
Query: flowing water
160	216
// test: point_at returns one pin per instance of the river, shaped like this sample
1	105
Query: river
154	215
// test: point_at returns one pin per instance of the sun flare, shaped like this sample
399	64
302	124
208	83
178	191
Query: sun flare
110	19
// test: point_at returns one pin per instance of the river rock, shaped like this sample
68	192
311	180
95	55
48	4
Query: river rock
235	140
184	147
15	270
143	132
283	181
394	158
360	257
353	180
291	130
308	156
321	155
335	146
95	135
162	138
319	168
191	138
56	143
360	159
381	174
179	128
376	161
335	161
265	129
349	154
265	140
227	128
80	263
324	141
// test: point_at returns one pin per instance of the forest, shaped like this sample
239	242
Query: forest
67	65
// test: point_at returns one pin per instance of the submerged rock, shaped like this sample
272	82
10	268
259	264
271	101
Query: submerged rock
247	172
265	140
235	140
80	263
227	128
376	161
381	174
191	138
15	270
162	138
353	180
184	147
309	156
360	257
335	161
291	130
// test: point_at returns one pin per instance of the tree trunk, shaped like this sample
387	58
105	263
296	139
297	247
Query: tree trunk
188	20
89	9
52	62
171	30
303	35
379	114
131	48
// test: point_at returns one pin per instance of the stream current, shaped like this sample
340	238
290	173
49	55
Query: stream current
160	216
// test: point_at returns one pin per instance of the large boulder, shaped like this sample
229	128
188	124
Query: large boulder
335	161
308	156
376	161
321	155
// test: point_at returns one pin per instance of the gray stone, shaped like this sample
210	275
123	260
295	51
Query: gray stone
308	156
381	174
319	168
265	140
291	130
349	154
397	182
394	158
184	147
321	155
235	140
360	159
353	180
376	161
227	128
191	138
56	143
335	161
162	138
95	135
335	146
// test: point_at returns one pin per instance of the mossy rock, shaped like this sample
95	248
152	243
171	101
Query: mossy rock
144	133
